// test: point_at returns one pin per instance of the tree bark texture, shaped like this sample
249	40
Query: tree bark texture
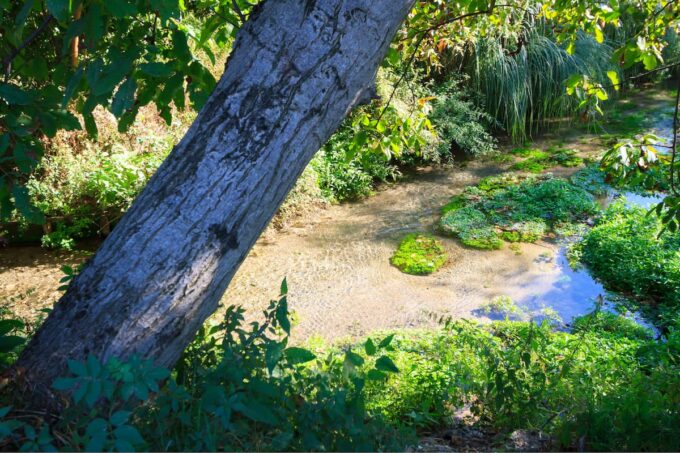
297	68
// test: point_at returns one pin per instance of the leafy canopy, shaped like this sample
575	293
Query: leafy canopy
63	58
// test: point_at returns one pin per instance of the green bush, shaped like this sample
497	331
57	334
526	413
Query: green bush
419	254
625	251
590	385
460	124
243	387
602	321
236	387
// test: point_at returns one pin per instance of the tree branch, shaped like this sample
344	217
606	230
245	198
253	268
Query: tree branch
7	61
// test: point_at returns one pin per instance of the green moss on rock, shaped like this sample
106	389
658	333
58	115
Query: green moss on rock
419	254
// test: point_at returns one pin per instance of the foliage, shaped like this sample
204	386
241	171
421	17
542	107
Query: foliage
522	212
461	126
536	160
592	179
604	321
419	254
136	54
516	375
503	306
277	396
608	383
626	252
81	193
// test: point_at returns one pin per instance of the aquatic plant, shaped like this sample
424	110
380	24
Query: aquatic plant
517	213
419	254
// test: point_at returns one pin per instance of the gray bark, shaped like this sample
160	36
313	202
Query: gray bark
293	75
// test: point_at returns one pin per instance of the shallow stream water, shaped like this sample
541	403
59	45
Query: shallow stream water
337	265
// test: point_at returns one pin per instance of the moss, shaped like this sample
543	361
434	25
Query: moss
481	238
530	166
537	160
419	254
524	212
491	183
454	204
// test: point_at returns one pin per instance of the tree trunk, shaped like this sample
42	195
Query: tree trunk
297	68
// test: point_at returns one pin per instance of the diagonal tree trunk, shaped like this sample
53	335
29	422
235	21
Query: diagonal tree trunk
297	68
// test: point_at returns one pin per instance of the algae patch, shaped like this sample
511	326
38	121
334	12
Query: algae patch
419	254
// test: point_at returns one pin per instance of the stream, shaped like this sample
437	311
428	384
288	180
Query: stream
340	280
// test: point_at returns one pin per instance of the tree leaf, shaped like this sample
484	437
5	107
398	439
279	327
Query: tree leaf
384	363
298	355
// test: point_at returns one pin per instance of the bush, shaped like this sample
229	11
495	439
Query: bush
603	321
236	387
419	254
625	251
461	126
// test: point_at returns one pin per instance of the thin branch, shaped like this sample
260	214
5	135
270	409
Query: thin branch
423	34
675	139
239	13
7	61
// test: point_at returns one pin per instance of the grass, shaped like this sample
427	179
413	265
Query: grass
419	254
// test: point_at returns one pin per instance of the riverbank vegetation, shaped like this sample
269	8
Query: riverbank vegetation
78	146
607	386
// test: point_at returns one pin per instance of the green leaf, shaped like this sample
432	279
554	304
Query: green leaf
64	383
90	125
282	315
370	348
376	375
77	368
298	355
119	417
12	94
257	412
20	20
649	61
156	69
124	98
120	8
273	353
613	78
60	9
72	86
7	325
23	204
386	341
384	363
354	358
284	287
129	434
9	343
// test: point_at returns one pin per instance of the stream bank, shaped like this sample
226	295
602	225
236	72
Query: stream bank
337	264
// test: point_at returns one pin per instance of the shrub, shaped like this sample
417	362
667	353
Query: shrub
461	126
603	321
503	306
419	254
625	251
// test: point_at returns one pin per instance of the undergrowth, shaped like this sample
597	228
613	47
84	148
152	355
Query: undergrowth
626	251
607	386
